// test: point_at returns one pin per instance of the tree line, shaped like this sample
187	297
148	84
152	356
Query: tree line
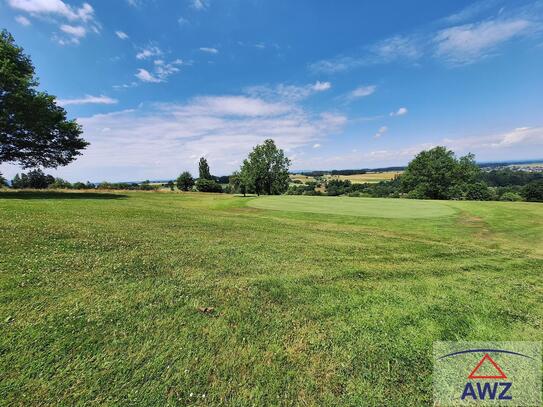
438	174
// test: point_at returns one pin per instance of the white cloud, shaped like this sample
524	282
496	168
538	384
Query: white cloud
397	47
88	99
467	43
76	31
161	71
199	4
320	86
83	17
400	112
385	51
362	91
231	106
122	35
382	130
125	86
452	44
148	52
292	93
209	50
25	22
317	145
520	136
54	7
145	76
152	141
182	21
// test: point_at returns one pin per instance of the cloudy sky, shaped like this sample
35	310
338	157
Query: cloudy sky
158	83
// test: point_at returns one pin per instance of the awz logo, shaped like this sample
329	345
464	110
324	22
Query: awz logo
487	373
487	390
477	389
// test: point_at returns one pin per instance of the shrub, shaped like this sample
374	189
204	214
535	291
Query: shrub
511	197
533	192
208	185
478	191
59	183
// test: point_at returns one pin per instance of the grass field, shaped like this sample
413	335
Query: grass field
100	296
369	177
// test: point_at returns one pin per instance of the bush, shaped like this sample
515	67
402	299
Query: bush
59	183
79	185
511	197
478	191
533	192
208	185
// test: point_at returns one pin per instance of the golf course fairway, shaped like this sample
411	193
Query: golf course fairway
369	207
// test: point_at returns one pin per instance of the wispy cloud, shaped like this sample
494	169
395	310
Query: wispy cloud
396	48
81	19
160	72
182	21
362	91
321	86
122	35
382	130
200	4
149	52
520	136
209	50
145	76
25	22
88	99
75	31
400	112
291	93
468	43
451	44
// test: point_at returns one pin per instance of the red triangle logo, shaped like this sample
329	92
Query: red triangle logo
486	357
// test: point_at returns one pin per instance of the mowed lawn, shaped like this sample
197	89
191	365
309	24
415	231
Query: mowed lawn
100	296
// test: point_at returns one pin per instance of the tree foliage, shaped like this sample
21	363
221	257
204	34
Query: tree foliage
208	185
35	179
203	169
34	131
185	182
438	174
266	169
533	192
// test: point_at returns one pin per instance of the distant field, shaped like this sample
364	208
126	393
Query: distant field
103	296
369	177
303	178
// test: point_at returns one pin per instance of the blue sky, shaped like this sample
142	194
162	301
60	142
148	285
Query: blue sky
156	84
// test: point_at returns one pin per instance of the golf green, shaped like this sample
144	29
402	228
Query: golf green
369	207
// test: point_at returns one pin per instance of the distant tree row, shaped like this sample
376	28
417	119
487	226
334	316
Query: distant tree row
37	179
439	174
265	171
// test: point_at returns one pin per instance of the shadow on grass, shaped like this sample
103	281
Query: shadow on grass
59	195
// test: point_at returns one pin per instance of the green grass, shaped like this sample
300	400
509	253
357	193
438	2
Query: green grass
370	207
99	297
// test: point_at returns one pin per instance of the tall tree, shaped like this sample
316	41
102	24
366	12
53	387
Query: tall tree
203	168
438	174
185	182
34	131
266	169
